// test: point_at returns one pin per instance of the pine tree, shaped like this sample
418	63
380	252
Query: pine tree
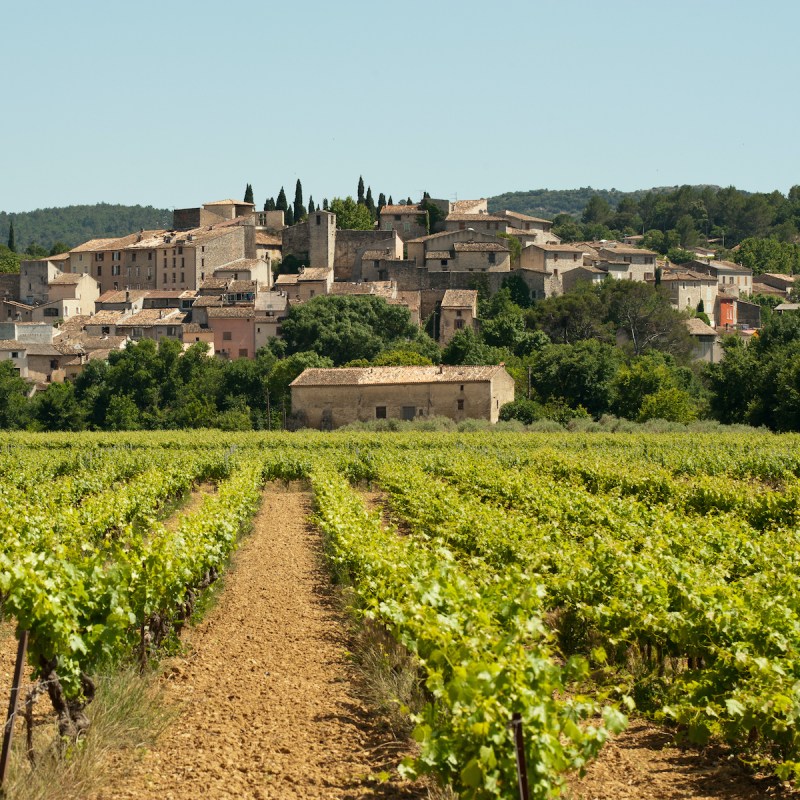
311	207
280	203
370	203
269	205
324	203
381	201
299	208
288	216
12	244
248	194
360	191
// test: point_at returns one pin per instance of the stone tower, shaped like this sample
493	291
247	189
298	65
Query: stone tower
321	239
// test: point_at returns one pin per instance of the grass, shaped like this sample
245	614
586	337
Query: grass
126	714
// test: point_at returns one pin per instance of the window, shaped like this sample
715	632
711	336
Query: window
406	226
51	312
99	270
149	256
170	330
227	336
397	218
133	256
137	333
409	412
627	259
574	256
462	226
203	249
202	276
459	326
458	312
460	405
319	219
53	363
15	354
165	262
492	257
174	275
180	250
202	262
311	293
278	330
98	256
242	352
174	262
380	412
105	330
444	262
183	279
165	276
555	256
461	387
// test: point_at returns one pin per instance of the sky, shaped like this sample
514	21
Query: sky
175	103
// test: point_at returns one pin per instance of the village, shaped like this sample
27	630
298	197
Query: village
215	277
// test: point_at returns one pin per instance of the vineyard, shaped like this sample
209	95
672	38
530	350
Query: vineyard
569	579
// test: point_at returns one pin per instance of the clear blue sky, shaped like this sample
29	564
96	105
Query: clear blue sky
174	103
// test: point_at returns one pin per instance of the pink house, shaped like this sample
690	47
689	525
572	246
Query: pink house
234	331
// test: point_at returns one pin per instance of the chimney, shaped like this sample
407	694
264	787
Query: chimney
441	368
127	296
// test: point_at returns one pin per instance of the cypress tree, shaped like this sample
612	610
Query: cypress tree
370	203
311	207
390	202
269	205
360	191
280	203
408	202
288	216
324	203
299	208
12	243
248	194
381	201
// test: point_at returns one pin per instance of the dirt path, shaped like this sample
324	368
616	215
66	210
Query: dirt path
269	706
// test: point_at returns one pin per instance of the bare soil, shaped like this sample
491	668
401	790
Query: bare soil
267	693
644	763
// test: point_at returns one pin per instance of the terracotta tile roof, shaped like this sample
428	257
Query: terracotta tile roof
93	245
59	257
415	210
14	303
480	247
66	279
239	287
627	250
117	296
242	264
438	254
213	283
271	301
230	312
153	316
105	318
228	203
431	236
9	345
559	248
287	279
523	217
686	276
314	274
473	218
410	299
207	301
382	376
698	328
765	288
91	343
41	349
459	298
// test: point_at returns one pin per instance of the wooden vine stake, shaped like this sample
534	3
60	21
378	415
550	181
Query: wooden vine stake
8	730
519	746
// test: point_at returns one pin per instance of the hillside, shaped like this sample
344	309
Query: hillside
73	225
548	203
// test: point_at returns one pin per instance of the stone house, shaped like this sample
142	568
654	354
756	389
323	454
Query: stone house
687	289
483	223
426	251
247	269
641	264
586	273
706	341
330	398
410	222
234	331
35	277
734	278
551	259
212	214
271	309
387	290
459	311
68	295
269	246
308	283
152	323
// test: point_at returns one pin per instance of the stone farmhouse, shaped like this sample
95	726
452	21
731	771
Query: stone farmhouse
330	398
458	312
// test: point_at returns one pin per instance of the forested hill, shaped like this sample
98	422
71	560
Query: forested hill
548	203
73	225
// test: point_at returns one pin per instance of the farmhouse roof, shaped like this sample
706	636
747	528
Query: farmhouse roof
382	376
459	298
